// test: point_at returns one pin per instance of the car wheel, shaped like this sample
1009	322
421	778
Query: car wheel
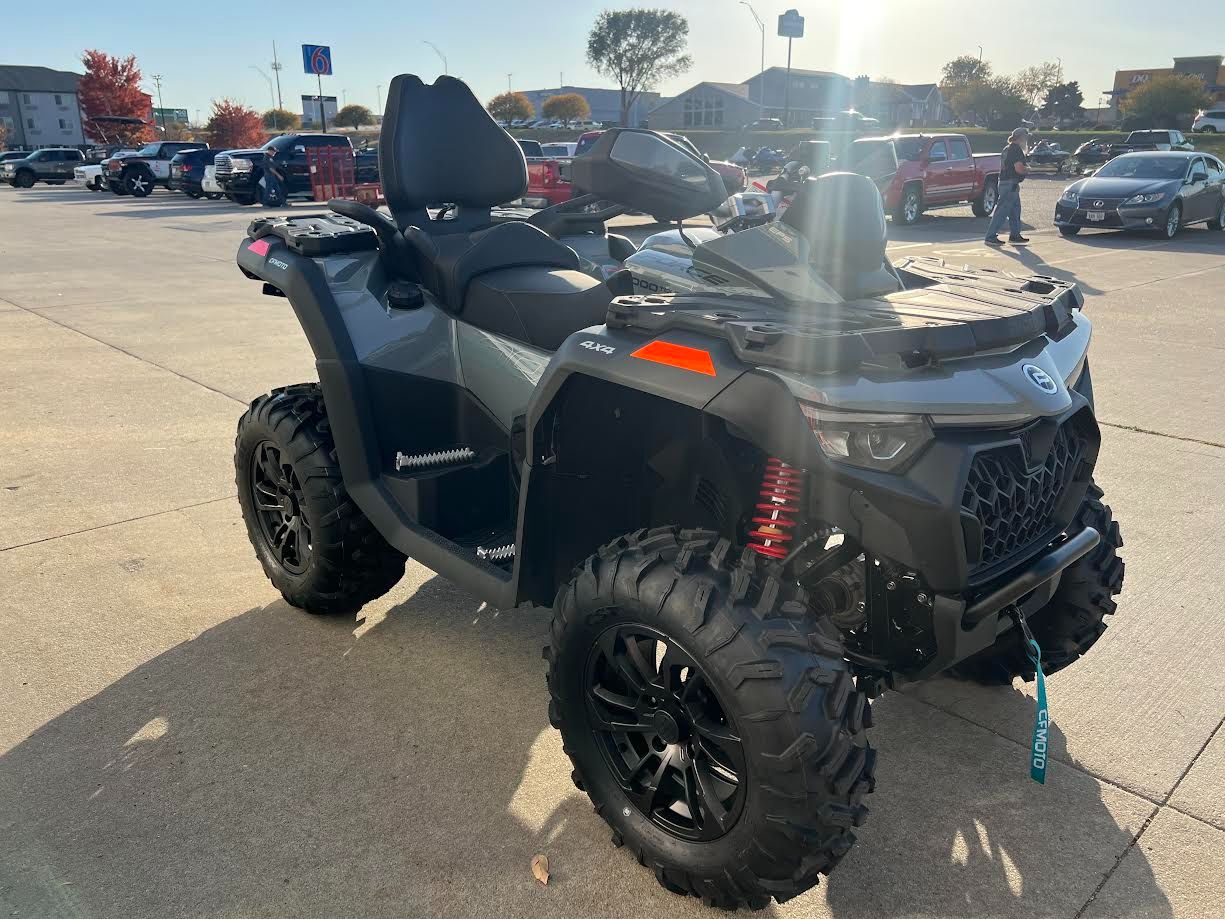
214	195
1173	220
1207	129
24	179
138	183
985	203
910	208
193	194
1218	222
246	199
1068	231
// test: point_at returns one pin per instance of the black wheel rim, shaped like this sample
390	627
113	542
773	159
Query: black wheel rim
664	733
277	495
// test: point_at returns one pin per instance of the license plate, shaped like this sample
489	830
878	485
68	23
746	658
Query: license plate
1095	215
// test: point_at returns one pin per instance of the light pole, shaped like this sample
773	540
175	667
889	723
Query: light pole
445	69
276	69
980	53
508	76
272	93
761	90
157	81
344	98
378	97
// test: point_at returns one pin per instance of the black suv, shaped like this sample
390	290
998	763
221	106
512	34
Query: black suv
147	168
187	172
239	171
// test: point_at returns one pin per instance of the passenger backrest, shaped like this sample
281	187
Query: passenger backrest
438	145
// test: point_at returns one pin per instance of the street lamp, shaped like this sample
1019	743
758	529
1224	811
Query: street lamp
980	53
445	68
378	97
157	81
272	93
761	89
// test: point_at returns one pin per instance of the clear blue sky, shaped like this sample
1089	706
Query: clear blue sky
203	55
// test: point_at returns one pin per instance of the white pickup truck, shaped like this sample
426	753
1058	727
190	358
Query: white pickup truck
91	176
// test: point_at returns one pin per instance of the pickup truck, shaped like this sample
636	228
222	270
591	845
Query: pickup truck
239	172
52	165
548	178
1140	141
93	175
940	170
141	172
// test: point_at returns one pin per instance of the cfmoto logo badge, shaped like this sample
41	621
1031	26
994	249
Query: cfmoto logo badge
1040	378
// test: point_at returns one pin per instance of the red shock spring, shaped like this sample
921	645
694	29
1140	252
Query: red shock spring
781	491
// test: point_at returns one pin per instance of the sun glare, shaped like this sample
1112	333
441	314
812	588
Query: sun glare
857	20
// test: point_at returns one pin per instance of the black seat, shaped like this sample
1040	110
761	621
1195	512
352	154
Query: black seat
841	216
440	147
541	308
449	261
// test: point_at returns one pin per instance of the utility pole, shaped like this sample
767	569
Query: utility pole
276	69
275	125
508	76
157	81
761	85
445	68
378	97
980	54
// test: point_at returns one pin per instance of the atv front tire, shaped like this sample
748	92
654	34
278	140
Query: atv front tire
1069	625
712	721
315	545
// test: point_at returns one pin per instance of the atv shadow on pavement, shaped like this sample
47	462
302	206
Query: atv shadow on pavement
966	832
281	764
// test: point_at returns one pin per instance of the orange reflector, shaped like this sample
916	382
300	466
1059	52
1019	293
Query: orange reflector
665	352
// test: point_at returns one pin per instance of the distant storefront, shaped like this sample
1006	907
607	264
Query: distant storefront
1209	68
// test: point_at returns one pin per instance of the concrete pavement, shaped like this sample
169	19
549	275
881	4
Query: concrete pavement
176	741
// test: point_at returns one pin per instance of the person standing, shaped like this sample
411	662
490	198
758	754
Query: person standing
1008	201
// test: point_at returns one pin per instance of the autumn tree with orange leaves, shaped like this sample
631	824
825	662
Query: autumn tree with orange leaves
111	86
233	125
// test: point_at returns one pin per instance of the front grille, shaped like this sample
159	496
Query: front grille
1014	501
223	166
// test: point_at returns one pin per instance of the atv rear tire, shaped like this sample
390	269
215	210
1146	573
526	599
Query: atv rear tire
316	546
733	699
1067	627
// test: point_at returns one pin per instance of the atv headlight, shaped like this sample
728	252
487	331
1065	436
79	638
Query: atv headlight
871	441
1145	199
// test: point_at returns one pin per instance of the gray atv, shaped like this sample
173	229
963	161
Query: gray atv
753	502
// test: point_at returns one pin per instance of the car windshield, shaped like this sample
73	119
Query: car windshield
908	148
148	150
1144	167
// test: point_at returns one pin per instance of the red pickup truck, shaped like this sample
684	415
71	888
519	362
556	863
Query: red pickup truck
940	170
548	182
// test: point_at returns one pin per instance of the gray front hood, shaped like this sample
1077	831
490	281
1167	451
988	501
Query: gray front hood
980	389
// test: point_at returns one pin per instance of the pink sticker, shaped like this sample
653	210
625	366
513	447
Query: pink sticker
259	247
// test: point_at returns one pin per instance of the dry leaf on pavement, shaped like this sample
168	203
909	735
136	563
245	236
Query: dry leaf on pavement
540	868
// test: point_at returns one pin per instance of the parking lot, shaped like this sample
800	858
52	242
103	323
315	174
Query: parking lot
177	741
